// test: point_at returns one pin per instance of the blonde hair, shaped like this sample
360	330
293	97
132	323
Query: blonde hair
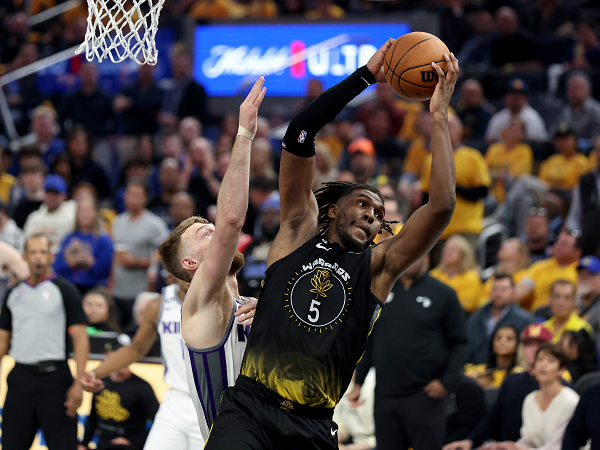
44	110
524	258
467	255
171	249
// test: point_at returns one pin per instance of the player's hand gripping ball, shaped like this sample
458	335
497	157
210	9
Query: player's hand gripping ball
407	65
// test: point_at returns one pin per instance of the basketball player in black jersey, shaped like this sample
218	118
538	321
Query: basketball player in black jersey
325	283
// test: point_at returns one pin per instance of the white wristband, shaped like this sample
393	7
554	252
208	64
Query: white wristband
243	132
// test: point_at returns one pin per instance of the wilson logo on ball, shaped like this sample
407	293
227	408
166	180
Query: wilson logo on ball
427	76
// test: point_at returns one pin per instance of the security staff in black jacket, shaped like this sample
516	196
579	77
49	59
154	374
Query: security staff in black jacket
418	348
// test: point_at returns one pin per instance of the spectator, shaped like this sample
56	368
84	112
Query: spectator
476	53
83	168
537	234
472	183
260	190
185	98
120	411
261	159
589	291
325	9
182	206
419	149
511	157
474	112
170	182
564	316
56	217
45	128
136	235
171	146
555	202
100	310
584	214
13	268
562	171
502	358
464	407
503	421
522	194
31	178
36	316
314	88
458	269
9	232
204	183
190	128
135	168
88	106
582	112
541	275
17	31
7	183
384	99
388	147
516	104
325	165
253	272
140	103
417	349
513	261
581	352
547	411
363	162
583	426
23	94
501	311
85	256
513	48
585	52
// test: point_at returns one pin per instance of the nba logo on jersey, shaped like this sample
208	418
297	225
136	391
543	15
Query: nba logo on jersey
302	137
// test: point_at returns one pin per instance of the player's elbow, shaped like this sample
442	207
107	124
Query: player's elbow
232	220
443	207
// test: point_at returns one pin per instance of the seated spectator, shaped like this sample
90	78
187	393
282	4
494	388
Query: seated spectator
356	427
472	183
562	171
580	348
261	159
190	128
513	48
363	162
314	88
84	191
585	52
325	165
499	312
555	202
517	105
583	426
31	180
388	147
503	421
182	207
85	256
513	261
204	182
511	157
476	53
588	290
9	232
100	309
584	214
542	274
171	146
120	411
522	194
169	177
56	216
384	98
419	148
465	407
502	358
564	315
582	112
458	270
547	411
537	234
83	168
474	112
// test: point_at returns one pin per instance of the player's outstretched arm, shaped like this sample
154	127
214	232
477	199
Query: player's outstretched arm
138	348
299	210
207	307
423	229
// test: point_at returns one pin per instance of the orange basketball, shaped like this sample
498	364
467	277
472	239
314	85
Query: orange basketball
407	65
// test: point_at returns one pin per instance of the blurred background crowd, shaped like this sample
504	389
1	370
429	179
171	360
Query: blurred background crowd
107	174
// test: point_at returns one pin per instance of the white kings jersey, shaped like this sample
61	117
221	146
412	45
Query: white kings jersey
171	345
210	371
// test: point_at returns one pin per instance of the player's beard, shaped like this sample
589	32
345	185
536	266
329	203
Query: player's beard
237	263
343	231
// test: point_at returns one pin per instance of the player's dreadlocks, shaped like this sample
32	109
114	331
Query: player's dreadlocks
333	191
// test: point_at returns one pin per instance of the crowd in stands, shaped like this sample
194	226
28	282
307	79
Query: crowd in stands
106	177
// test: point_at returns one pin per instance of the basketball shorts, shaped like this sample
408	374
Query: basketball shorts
252	417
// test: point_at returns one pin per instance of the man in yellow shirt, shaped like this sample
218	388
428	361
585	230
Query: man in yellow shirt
562	171
420	147
472	183
541	275
564	316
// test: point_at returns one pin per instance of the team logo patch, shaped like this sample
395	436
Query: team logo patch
302	137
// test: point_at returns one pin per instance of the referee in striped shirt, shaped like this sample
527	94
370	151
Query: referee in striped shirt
36	316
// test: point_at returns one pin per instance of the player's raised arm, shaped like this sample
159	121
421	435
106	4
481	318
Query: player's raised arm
423	229
299	208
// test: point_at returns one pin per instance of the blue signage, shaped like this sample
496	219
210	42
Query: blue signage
229	58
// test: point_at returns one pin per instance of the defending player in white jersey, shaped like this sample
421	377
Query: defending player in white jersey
207	256
175	425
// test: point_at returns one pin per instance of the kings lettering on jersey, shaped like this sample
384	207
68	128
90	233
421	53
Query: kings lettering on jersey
312	321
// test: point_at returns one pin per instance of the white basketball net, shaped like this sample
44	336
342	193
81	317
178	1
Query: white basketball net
120	29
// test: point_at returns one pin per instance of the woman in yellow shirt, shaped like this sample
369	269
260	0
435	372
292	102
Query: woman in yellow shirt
562	171
511	156
502	360
459	270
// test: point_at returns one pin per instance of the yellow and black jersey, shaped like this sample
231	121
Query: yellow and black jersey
313	317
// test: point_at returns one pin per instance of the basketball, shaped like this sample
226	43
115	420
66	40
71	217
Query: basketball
407	65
